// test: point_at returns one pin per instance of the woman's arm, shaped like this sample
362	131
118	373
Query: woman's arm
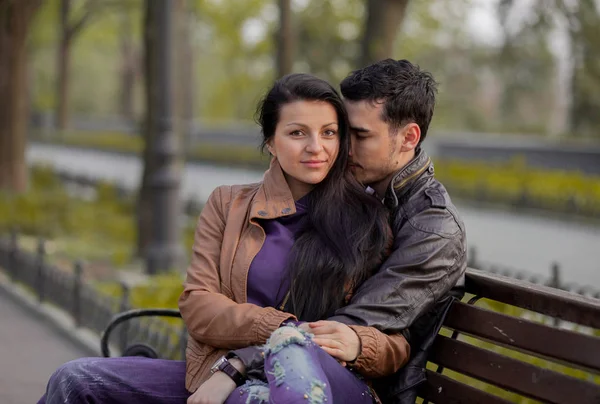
210	316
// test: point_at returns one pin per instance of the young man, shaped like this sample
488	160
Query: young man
390	106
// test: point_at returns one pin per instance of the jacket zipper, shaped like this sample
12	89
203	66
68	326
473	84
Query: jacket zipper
285	300
415	174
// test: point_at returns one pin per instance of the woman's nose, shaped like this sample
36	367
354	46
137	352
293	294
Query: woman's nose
314	145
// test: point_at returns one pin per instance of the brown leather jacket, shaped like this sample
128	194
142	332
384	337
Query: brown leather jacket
213	303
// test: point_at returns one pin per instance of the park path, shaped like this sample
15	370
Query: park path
30	351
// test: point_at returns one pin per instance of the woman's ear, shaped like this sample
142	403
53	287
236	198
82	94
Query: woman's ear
270	148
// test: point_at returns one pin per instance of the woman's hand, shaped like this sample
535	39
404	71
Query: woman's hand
337	339
213	391
217	388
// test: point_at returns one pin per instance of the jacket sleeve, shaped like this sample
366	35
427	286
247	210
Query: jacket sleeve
381	354
428	259
210	316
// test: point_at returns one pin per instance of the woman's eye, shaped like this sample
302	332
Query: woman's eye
330	132
296	133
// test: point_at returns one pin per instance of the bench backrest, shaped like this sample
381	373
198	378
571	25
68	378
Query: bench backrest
517	368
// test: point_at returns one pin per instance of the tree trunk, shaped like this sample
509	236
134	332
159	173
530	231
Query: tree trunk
62	89
15	19
159	196
63	68
383	21
585	75
129	65
144	235
184	77
285	40
189	80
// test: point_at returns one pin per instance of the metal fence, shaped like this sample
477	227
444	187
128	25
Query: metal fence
88	307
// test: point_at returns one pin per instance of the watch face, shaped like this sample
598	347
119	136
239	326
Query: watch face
218	364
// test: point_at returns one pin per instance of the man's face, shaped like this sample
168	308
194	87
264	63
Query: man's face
375	152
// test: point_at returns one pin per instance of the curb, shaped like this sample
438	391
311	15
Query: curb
85	339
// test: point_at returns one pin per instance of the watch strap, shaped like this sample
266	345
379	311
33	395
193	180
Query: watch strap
232	372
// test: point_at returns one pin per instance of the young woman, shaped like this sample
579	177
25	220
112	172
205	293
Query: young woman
269	260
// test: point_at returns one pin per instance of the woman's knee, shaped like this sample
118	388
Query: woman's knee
73	369
66	381
284	336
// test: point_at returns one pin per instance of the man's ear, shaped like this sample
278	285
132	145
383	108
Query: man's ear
412	136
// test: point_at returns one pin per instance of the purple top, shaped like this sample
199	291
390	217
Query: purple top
267	281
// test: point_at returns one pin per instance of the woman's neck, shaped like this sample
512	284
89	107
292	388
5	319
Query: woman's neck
298	189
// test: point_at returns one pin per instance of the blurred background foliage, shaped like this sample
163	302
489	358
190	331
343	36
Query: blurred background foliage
94	224
518	70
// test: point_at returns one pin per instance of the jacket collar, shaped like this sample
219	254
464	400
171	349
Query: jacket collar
274	197
406	176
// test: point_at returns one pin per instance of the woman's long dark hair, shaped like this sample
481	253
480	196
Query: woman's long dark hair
346	229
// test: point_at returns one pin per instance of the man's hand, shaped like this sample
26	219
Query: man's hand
216	389
337	339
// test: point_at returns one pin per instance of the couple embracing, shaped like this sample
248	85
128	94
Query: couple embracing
327	281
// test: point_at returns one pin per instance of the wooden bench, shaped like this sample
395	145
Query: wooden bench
468	326
577	350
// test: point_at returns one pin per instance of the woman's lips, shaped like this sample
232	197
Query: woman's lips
314	163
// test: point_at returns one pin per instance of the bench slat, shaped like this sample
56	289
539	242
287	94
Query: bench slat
542	299
563	345
511	374
441	389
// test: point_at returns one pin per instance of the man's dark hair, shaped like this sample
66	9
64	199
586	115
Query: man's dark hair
408	93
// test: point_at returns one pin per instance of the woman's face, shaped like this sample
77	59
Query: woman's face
306	143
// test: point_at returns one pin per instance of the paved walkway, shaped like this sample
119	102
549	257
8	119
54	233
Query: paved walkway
29	352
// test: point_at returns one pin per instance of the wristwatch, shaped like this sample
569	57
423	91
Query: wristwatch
223	365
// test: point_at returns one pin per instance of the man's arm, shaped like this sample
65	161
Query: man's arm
428	259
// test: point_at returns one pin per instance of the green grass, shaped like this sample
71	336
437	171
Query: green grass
157	291
511	181
100	229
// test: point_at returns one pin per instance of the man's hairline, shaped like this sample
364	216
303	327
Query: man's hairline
393	130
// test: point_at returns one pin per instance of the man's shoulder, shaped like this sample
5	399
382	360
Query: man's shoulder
429	208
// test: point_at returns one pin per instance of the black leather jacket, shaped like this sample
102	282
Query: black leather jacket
413	289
